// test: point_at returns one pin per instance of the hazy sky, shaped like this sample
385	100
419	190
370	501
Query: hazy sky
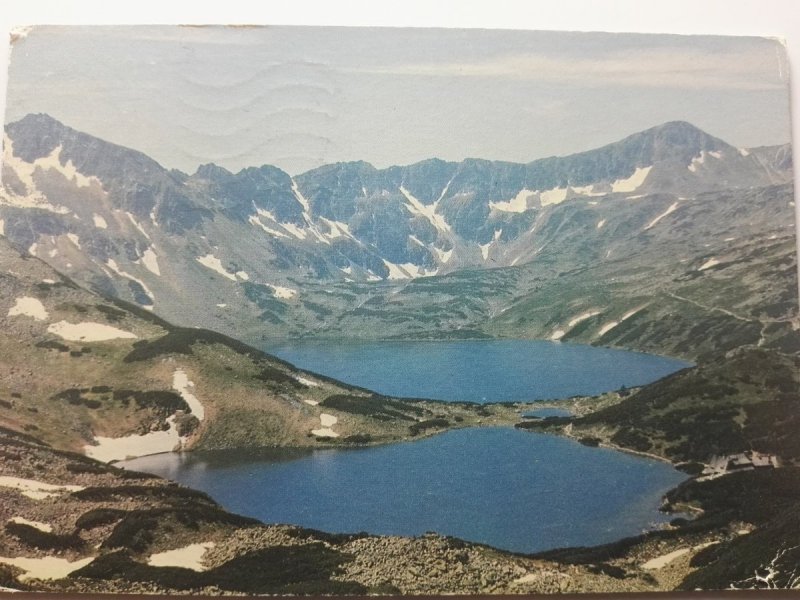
301	97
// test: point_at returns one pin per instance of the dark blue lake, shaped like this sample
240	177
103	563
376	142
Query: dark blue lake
511	489
478	370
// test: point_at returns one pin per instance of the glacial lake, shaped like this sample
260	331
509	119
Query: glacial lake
478	370
508	488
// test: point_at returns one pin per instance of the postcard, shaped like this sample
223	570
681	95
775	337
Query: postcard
349	311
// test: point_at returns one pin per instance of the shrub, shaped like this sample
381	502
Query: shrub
43	540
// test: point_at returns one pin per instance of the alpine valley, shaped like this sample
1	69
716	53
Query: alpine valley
133	301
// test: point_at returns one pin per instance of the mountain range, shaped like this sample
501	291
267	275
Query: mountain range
114	270
260	252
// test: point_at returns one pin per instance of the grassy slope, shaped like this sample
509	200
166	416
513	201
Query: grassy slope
67	392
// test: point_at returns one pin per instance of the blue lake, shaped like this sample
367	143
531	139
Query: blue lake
512	489
508	488
478	370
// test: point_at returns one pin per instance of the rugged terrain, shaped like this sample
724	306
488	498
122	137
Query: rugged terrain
427	250
106	530
114	271
92	374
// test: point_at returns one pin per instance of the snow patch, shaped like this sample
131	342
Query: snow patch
27	306
300	234
670	210
406	270
586	190
554	196
88	331
48	567
607	327
560	333
416	207
443	255
744	151
107	449
99	221
284	293
711	262
273	232
137	225
662	561
327	421
307	382
242	275
37	490
517	204
25	171
633	182
611	324
2	227
32	249
35	524
600	223
311	402
150	261
212	262
112	264
485	250
182	385
188	557
715	154
336	229
631	312
697	160
582	317
223	305
301	199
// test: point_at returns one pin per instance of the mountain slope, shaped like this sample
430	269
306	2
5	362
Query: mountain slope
330	251
98	376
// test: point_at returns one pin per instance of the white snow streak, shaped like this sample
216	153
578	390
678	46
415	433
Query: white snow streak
669	210
182	385
212	262
554	196
150	261
88	331
517	204
633	182
711	262
112	264
416	207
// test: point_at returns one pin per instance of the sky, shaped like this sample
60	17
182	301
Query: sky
299	97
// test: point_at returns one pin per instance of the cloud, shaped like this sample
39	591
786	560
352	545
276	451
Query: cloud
660	67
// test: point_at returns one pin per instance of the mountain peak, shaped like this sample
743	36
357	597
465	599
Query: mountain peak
212	172
36	135
682	135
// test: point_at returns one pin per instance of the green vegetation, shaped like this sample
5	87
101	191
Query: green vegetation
43	540
303	569
422	426
375	406
747	401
